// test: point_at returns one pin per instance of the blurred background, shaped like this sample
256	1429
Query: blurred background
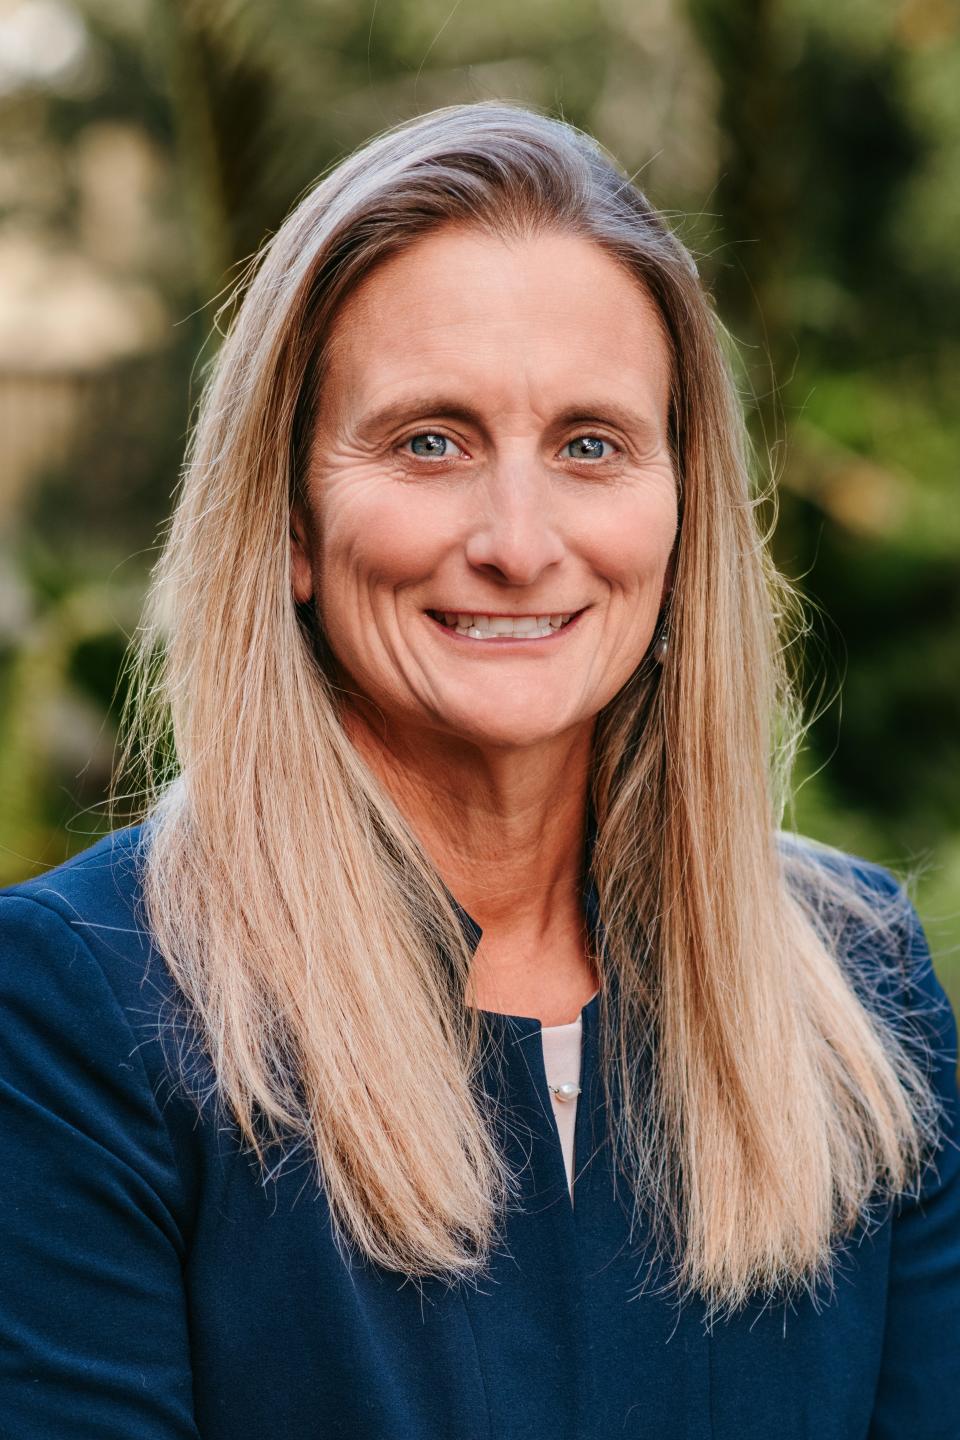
808	153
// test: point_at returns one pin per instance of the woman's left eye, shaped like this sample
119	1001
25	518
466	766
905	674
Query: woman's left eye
588	447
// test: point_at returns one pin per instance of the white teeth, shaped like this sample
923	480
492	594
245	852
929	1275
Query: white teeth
488	627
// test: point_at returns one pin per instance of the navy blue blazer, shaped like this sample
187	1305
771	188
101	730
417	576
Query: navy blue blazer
151	1288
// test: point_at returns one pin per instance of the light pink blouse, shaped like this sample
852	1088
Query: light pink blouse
561	1058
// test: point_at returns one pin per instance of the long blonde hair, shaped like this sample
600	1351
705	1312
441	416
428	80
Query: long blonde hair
299	913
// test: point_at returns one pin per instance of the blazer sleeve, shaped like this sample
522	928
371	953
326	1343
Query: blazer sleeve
918	1394
93	1322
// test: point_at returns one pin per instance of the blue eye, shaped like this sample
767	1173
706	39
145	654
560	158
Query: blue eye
590	447
430	444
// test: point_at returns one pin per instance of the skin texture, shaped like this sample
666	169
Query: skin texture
534	344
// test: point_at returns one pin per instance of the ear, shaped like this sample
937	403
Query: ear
671	571
301	570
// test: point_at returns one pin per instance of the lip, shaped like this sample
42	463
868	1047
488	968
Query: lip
504	640
500	614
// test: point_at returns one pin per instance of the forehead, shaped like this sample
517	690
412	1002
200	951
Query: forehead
541	312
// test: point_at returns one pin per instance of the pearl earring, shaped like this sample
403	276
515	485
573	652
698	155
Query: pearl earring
660	647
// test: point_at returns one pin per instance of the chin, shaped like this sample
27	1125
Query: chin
504	731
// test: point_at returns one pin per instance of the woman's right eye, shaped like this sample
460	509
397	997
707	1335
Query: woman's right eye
428	444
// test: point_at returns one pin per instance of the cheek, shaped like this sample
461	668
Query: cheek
629	542
375	533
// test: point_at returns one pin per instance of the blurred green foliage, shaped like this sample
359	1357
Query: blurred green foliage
808	153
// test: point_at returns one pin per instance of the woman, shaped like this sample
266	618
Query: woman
467	742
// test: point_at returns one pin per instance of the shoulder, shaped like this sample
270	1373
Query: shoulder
867	917
78	917
93	904
101	1179
99	883
801	854
79	925
90	1006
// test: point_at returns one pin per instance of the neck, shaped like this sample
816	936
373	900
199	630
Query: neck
506	830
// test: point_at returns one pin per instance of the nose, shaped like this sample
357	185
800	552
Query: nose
515	538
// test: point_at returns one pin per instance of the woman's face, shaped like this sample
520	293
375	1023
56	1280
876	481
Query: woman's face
491	454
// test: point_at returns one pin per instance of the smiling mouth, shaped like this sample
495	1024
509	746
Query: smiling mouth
503	627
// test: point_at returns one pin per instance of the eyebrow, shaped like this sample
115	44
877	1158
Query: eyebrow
444	407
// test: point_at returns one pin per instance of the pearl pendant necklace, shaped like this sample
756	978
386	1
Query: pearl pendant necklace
566	1091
